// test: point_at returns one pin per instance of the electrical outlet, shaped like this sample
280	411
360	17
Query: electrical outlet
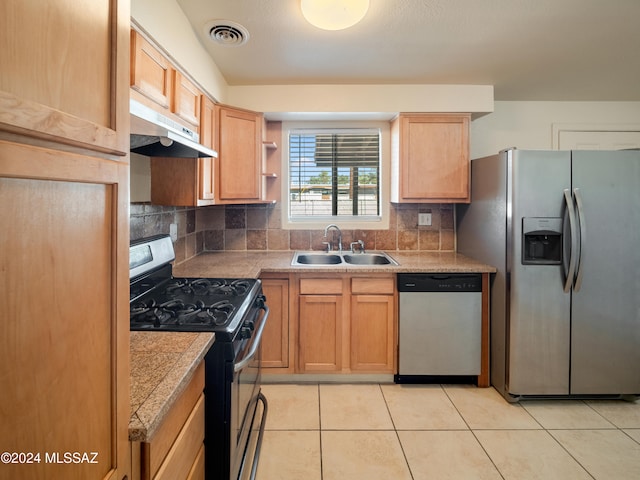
173	232
424	219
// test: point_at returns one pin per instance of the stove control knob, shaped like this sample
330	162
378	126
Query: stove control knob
245	332
261	301
250	325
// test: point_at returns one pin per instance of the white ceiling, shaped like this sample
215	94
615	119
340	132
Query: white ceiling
587	50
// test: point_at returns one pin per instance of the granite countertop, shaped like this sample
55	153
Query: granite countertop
250	264
162	364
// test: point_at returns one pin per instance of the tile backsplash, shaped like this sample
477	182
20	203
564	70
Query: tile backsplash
258	227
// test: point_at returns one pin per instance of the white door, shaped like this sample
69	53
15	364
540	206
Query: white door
598	140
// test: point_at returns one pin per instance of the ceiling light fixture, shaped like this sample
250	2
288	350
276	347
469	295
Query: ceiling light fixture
334	14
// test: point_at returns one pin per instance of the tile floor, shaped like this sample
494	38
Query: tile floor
415	432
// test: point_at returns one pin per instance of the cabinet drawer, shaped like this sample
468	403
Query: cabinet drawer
154	452
320	286
197	469
184	452
384	286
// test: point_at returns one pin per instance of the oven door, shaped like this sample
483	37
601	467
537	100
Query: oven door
245	392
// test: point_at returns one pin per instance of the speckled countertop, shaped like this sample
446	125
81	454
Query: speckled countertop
162	364
250	264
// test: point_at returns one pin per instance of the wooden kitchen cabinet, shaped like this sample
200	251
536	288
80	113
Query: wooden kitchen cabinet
156	82
151	72
64	231
320	323
186	100
346	323
187	182
182	182
175	451
206	174
373	325
430	158
235	177
239	164
275	338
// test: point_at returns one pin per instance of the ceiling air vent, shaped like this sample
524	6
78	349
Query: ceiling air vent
227	33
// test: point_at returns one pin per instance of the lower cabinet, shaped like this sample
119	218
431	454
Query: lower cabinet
373	325
276	335
320	320
346	323
176	450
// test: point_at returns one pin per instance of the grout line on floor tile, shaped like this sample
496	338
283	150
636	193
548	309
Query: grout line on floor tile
627	434
584	467
320	432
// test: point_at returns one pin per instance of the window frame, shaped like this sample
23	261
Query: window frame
347	222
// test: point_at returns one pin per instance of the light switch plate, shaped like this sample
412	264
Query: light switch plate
424	219
173	232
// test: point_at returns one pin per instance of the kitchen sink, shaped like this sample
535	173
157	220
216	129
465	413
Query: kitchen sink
342	259
318	259
369	259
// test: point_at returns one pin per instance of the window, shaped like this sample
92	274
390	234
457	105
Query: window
334	173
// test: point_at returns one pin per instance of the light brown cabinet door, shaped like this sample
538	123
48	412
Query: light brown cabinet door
64	335
186	100
206	175
239	142
64	72
433	158
372	333
64	232
320	333
151	72
275	338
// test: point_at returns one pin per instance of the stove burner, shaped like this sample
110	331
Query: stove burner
218	313
176	312
177	286
206	286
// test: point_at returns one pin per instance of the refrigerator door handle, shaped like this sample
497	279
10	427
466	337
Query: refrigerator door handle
579	269
571	213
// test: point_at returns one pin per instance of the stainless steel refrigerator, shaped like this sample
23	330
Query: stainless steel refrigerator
563	230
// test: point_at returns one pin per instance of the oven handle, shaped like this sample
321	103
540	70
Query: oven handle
256	456
256	342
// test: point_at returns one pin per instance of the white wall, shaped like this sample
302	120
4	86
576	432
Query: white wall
278	101
529	125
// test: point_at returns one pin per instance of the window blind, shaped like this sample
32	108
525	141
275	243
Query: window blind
334	173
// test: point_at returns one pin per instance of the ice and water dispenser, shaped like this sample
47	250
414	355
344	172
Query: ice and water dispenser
541	240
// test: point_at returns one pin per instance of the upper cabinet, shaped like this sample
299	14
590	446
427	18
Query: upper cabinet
186	100
150	71
239	164
430	158
59	79
206	166
157	83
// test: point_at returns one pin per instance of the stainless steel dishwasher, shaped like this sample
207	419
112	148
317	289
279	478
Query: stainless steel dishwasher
440	324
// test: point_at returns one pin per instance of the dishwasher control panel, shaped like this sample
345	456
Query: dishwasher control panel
439	282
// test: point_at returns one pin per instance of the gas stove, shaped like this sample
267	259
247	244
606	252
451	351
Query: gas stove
160	301
235	310
196	305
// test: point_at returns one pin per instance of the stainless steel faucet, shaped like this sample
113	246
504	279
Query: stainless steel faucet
326	231
360	244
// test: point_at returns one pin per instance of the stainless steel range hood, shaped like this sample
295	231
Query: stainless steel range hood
155	135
